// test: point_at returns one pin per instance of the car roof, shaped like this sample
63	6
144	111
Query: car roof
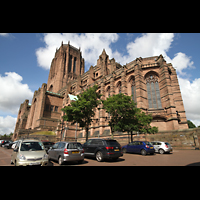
157	141
101	139
31	140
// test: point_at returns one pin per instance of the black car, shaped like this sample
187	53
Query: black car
47	145
5	142
8	145
102	148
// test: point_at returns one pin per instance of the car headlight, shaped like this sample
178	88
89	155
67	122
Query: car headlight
22	157
45	156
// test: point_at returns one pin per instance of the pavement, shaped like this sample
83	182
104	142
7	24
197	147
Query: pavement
177	158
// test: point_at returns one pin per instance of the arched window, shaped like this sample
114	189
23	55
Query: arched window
70	63
108	91
133	89
153	91
119	85
74	69
51	88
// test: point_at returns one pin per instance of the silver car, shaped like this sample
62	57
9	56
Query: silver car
66	151
29	152
162	147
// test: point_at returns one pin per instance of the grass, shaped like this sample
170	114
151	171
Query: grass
43	133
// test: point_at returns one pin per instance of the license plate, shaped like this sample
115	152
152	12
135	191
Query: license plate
116	149
75	152
151	147
36	163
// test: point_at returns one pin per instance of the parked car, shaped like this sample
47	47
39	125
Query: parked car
66	151
47	145
8	145
103	148
5	142
141	147
162	147
29	152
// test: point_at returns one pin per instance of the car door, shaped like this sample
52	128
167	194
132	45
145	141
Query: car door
131	147
59	151
52	151
93	145
139	147
86	147
157	146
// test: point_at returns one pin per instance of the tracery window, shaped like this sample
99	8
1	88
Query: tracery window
153	91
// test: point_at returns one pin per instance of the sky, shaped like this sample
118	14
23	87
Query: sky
25	60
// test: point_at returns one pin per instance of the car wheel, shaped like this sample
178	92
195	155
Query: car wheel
60	160
124	150
161	151
99	156
143	152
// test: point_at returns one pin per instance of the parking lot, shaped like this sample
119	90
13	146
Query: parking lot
177	158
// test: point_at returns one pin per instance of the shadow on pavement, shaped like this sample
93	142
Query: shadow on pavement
194	164
52	163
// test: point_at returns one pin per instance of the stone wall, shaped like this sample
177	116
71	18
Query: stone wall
179	139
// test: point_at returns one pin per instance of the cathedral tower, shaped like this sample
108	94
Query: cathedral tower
66	65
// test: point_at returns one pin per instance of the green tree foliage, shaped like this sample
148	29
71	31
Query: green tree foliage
190	124
125	116
82	110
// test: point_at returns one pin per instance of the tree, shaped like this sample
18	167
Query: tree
82	110
190	124
125	116
143	125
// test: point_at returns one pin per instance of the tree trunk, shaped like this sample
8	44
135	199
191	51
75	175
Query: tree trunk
131	136
86	129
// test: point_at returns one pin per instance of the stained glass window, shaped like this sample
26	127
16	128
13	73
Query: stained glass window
153	91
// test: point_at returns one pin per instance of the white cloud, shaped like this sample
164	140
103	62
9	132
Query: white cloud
7	124
181	61
13	92
150	44
4	34
191	95
91	45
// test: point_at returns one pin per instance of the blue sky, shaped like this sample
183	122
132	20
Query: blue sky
25	60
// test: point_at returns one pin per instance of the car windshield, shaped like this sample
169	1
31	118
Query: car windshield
148	143
112	143
74	146
31	146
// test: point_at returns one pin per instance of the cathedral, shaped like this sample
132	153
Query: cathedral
151	81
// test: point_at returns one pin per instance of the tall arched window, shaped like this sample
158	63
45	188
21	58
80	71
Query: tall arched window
70	63
108	91
133	89
153	91
119	87
74	69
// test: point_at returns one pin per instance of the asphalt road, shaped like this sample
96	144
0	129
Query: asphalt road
177	158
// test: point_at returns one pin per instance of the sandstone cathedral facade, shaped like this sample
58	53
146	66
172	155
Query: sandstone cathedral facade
151	81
